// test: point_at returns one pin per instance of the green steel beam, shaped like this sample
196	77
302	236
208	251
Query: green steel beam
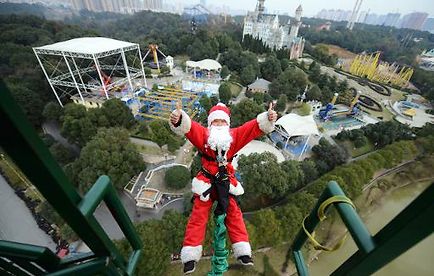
360	234
92	267
38	254
8	266
28	266
352	221
412	225
22	144
20	141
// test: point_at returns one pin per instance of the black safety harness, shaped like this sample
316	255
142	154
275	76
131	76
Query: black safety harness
220	182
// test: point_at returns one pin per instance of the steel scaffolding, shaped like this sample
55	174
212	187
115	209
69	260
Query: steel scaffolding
71	71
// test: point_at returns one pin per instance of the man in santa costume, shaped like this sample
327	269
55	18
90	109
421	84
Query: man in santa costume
217	146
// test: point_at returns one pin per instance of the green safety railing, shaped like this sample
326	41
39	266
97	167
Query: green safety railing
20	141
409	227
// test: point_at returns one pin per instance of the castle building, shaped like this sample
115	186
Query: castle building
267	28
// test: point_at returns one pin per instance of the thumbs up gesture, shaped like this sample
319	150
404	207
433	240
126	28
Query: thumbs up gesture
272	115
175	116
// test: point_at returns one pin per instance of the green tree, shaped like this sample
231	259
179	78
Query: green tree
271	68
268	227
224	72
62	154
52	111
314	93
225	93
291	82
281	103
155	257
117	113
262	175
310	171
111	153
162	135
294	173
248	75
174	227
29	101
244	111
77	127
290	217
177	177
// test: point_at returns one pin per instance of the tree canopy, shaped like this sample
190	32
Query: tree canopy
177	177
111	153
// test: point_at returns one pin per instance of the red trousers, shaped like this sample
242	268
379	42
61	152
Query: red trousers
196	226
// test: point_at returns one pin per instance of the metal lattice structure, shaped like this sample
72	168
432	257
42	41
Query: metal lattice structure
369	66
91	67
158	104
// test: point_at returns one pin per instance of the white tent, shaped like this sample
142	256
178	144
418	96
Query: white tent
88	46
296	125
256	146
205	64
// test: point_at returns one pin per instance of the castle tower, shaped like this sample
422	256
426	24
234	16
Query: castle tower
260	7
295	24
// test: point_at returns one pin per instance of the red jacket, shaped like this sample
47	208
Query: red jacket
241	136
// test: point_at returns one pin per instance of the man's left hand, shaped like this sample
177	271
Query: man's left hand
272	115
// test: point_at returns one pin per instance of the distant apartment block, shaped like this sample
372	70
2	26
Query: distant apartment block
118	6
414	20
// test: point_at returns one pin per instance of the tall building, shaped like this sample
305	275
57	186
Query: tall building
392	19
429	25
118	6
414	20
266	27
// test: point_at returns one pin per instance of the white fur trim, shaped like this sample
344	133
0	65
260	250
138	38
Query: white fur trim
236	191
185	125
241	249
219	114
191	253
199	187
264	124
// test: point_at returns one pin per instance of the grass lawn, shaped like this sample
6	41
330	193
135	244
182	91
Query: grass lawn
386	114
276	258
235	89
149	150
357	151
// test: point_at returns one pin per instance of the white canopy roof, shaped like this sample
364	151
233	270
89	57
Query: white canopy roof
205	64
87	45
296	125
258	147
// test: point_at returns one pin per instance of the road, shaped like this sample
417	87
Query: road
16	220
53	129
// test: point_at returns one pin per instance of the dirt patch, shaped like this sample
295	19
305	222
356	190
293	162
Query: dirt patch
340	52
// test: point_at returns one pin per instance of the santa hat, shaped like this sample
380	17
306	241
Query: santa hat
219	111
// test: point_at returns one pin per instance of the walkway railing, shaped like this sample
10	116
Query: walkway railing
411	226
20	141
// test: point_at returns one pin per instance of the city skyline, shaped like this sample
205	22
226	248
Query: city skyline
312	7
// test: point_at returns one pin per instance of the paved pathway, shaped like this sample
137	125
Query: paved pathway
16	220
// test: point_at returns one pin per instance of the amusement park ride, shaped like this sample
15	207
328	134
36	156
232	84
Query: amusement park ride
153	48
369	66
327	113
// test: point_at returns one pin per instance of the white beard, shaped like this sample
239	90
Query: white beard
219	138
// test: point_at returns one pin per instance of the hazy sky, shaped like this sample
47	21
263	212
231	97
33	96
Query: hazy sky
312	7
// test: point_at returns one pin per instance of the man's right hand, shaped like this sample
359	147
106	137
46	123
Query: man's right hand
175	116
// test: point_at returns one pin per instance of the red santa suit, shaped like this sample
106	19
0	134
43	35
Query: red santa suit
198	136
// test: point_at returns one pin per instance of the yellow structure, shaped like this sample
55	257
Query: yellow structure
160	103
369	66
